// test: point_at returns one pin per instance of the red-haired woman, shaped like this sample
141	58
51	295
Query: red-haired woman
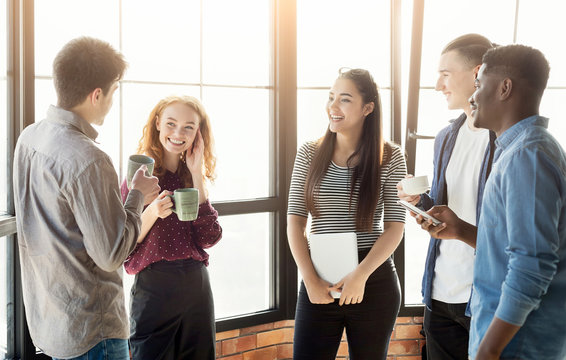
171	308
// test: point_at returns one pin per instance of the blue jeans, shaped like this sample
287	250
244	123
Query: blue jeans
109	349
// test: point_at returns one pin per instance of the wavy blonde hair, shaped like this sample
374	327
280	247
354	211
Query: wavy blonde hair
150	145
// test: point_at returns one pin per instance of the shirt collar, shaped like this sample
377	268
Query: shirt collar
510	134
65	117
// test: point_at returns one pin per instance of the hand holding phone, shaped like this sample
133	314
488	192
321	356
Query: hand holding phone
416	210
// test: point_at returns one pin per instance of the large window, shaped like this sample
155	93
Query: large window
4	128
546	39
331	35
6	283
262	69
203	49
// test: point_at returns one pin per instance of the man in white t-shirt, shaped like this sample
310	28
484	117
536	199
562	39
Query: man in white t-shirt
461	166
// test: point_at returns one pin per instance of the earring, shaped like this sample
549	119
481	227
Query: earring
182	157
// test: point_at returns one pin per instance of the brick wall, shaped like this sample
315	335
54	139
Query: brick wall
274	341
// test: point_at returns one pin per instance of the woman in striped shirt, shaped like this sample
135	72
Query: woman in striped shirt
347	182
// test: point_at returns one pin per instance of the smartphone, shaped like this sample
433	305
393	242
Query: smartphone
416	210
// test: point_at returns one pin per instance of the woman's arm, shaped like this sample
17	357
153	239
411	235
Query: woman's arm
353	285
159	208
148	218
382	249
317	289
206	231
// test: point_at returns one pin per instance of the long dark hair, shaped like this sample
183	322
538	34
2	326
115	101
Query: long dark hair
369	151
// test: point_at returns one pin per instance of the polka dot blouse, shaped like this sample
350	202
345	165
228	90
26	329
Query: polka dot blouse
171	239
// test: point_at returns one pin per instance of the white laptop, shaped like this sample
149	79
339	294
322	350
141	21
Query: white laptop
334	256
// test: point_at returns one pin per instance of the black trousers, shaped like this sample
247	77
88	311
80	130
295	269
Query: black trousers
447	331
172	312
319	327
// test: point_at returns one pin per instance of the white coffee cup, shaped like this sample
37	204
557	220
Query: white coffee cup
415	185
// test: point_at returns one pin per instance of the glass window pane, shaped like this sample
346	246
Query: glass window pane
44	97
137	102
240	121
445	20
332	34
434	113
552	106
312	120
241	278
161	40
385	95
58	21
236	46
108	139
4	128
416	245
530	32
416	239
5	297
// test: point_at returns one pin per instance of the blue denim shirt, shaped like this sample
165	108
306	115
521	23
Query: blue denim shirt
443	146
520	267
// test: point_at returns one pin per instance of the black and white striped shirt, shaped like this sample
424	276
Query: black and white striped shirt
333	200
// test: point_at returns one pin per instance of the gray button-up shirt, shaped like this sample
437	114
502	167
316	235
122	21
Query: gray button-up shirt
73	235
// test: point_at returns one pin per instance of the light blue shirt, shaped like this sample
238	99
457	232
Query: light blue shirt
520	272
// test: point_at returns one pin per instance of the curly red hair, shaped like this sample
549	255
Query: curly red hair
150	145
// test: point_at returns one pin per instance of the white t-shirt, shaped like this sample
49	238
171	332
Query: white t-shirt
453	273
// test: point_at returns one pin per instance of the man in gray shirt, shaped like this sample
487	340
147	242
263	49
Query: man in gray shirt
73	230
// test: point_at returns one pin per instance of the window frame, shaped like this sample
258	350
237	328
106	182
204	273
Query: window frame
283	100
283	126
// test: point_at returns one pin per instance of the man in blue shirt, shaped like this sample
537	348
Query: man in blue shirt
519	288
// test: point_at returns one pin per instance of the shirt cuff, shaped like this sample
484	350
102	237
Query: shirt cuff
512	310
206	208
134	201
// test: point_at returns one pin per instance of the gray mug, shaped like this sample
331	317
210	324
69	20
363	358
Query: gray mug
135	162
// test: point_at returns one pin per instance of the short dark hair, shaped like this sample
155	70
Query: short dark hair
520	63
470	47
83	65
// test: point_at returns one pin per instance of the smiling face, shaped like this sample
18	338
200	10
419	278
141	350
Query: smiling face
177	126
455	80
345	108
483	102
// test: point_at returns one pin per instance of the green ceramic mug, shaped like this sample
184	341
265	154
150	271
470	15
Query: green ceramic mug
185	203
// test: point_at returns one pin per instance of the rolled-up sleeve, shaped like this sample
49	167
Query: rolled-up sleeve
206	229
533	204
109	228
